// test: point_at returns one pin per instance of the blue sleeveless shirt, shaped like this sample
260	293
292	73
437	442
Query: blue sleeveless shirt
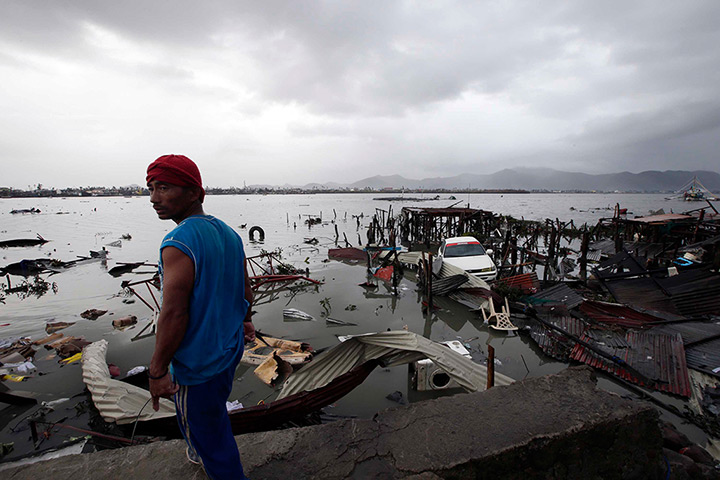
214	340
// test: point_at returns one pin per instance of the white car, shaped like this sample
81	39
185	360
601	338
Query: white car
467	253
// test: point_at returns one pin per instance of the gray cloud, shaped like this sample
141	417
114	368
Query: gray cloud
441	87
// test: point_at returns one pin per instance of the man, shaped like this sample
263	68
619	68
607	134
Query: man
205	315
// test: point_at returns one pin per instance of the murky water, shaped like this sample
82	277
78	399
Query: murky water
77	225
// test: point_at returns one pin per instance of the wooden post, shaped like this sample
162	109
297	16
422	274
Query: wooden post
429	276
616	234
550	259
584	245
697	226
490	366
513	252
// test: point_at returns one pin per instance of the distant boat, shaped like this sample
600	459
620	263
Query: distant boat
693	191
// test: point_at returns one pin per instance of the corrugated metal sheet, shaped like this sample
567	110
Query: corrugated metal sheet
609	268
527	282
656	355
702	345
705	357
560	293
606	246
644	249
643	292
391	348
594	255
448	270
115	400
473	301
554	343
693	292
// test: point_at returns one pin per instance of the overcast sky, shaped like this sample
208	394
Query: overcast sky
308	91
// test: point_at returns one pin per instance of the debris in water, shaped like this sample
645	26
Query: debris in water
93	314
396	397
123	268
335	321
123	322
54	327
293	314
25	210
23	242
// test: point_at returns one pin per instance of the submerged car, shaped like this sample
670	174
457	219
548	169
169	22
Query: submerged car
467	253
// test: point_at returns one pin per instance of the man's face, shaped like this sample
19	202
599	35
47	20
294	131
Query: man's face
172	202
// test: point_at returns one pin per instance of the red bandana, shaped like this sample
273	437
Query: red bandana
176	170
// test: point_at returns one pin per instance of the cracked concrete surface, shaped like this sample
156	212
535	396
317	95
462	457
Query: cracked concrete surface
559	426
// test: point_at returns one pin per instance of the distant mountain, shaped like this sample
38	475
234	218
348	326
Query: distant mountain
549	179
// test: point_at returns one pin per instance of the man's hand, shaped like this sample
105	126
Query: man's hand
162	387
249	332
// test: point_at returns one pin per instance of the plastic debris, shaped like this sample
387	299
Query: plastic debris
72	359
233	406
136	370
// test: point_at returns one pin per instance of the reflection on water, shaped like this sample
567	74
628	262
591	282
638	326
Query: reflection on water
90	224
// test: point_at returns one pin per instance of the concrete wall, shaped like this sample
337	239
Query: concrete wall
559	426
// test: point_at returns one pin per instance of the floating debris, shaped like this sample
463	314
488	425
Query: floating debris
264	347
93	314
48	339
23	242
396	397
25	210
293	314
54	327
122	268
335	321
121	323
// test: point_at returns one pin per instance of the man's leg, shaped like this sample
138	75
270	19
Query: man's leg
205	424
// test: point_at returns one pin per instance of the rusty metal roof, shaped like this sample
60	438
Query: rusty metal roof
656	355
617	314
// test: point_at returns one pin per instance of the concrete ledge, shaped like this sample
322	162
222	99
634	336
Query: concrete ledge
559	426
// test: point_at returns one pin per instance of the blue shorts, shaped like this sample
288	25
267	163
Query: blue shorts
205	425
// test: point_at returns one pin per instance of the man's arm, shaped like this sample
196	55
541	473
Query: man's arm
178	279
248	325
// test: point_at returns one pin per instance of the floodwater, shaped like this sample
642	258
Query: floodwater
77	225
